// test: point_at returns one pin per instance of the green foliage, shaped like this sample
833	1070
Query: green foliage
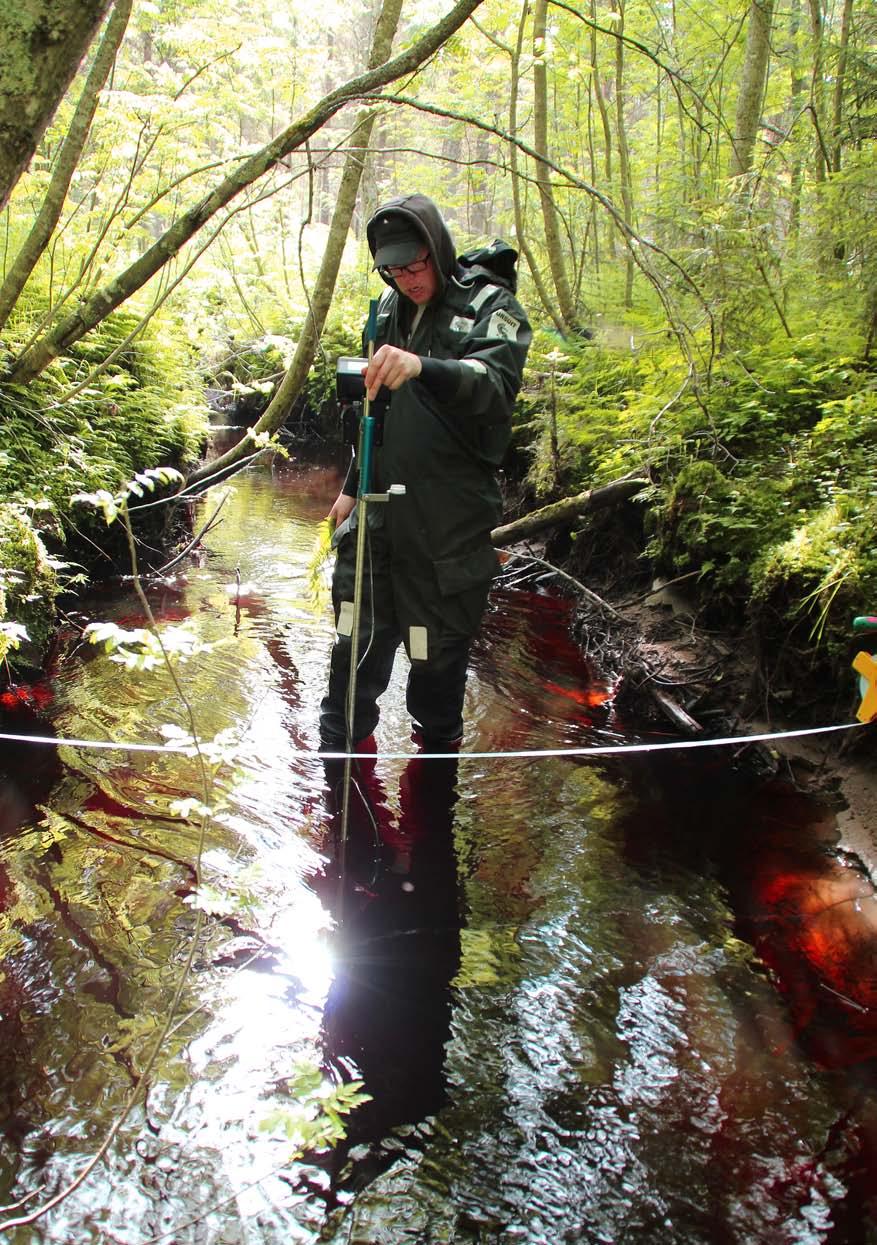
824	573
112	505
246	365
140	649
764	472
28	578
73	431
826	569
318	587
342	335
314	1121
72	434
593	395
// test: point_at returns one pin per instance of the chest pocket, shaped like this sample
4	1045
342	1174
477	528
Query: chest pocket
461	325
450	333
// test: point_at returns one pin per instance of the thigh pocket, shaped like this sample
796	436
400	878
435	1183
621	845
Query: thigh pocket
466	571
464	582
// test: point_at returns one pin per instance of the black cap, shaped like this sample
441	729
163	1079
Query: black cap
396	241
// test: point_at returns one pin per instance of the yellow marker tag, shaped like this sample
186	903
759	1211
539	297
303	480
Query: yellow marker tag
866	666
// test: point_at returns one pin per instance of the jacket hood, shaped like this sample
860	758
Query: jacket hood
424	216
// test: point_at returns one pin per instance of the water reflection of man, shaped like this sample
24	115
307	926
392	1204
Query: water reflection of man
387	1016
451	344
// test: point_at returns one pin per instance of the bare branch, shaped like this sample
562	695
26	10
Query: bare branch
638	246
115	292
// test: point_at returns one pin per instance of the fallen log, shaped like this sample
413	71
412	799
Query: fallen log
568	509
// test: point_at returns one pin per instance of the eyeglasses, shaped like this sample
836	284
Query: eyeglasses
401	270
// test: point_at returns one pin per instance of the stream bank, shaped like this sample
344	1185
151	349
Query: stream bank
718	677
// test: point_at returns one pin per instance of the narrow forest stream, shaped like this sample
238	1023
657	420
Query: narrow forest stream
551	973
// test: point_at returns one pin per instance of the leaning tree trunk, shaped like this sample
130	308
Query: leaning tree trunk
43	42
568	509
324	287
98	306
752	85
65	165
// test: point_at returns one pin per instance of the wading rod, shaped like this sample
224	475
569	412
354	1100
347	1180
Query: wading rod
364	457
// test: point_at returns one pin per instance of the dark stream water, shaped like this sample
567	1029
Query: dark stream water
592	1000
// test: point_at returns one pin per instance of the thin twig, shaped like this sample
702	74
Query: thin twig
589	596
208	526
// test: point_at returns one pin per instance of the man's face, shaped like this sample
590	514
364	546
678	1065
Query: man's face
421	287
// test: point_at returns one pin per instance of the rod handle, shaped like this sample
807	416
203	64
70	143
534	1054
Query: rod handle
371	325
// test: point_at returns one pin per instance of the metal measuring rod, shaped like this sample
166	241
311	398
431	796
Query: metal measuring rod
364	496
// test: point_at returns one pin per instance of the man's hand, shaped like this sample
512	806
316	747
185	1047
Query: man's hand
390	366
341	508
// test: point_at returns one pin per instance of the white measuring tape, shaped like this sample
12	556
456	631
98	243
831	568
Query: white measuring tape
521	753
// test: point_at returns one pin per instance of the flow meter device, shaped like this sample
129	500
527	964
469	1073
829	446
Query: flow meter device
350	392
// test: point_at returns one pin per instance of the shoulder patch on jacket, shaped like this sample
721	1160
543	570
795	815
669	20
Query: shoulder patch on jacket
503	324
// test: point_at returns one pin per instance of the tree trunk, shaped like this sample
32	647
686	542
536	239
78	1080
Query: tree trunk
604	120
839	84
752	85
623	149
550	216
43	43
817	88
324	288
521	237
99	305
568	509
796	172
65	165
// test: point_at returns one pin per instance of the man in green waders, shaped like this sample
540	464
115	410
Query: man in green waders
451	344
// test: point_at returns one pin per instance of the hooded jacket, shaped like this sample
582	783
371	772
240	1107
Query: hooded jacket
446	432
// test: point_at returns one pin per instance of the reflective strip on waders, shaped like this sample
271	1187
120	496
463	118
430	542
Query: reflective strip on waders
344	626
418	649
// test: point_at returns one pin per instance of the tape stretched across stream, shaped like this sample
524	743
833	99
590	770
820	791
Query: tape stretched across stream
519	753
